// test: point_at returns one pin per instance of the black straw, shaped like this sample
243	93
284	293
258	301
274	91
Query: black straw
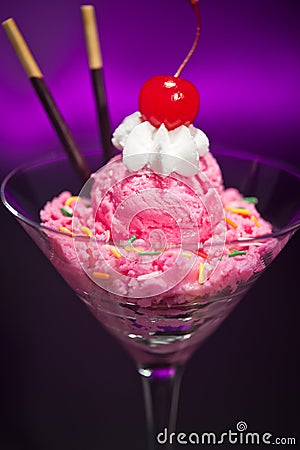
102	113
61	128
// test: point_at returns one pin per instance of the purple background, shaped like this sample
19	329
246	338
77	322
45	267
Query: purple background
66	384
246	67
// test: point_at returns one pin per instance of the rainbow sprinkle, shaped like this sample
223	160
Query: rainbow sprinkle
201	273
102	275
187	255
146	276
231	222
133	238
255	221
115	252
71	200
66	230
234	252
202	254
87	231
131	249
240	211
67	211
253	200
149	253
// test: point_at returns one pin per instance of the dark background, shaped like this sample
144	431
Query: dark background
65	383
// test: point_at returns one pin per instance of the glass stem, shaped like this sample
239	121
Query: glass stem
161	387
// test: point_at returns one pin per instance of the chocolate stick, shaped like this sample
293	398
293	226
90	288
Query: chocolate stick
36	77
96	68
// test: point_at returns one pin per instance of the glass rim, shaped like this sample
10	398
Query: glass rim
277	164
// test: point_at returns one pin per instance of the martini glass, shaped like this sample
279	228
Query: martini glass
159	338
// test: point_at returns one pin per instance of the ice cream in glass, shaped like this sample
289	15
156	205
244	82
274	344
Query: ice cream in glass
157	243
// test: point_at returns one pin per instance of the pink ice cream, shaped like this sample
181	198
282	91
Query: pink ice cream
146	201
161	237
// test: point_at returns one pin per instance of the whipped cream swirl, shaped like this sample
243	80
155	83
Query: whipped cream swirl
161	150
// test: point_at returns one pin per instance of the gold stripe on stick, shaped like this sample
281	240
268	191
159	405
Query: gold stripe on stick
91	37
21	49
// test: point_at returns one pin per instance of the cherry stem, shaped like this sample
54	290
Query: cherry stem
188	56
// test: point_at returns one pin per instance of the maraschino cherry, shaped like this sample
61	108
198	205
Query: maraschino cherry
171	100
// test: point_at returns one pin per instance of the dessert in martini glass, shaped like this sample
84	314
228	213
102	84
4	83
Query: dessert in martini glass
164	240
